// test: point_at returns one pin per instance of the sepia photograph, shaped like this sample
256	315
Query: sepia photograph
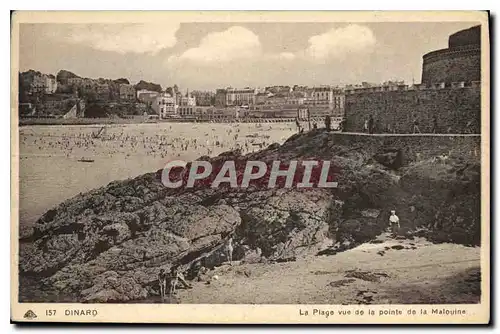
333	164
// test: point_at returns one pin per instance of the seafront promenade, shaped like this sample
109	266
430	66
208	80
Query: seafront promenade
141	119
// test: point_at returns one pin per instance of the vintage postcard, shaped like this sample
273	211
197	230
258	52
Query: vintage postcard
250	167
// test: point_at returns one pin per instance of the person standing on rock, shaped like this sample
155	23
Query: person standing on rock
162	281
229	250
415	126
365	126
177	276
434	124
394	222
371	124
388	128
378	126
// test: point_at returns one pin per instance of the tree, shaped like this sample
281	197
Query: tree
122	81
63	76
148	86
24	86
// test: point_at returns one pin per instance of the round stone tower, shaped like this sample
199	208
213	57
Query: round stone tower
461	61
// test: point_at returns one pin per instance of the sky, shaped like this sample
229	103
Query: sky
206	56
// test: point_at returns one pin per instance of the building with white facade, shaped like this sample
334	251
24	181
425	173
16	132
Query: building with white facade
229	97
186	111
326	100
43	83
303	113
164	105
240	97
51	84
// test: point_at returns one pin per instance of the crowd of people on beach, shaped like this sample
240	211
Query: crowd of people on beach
168	142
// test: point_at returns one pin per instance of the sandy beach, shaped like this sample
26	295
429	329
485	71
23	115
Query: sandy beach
409	272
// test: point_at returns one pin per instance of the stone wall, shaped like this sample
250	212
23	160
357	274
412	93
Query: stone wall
55	107
416	147
394	111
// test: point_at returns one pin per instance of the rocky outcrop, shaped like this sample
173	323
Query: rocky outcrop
108	244
390	157
446	199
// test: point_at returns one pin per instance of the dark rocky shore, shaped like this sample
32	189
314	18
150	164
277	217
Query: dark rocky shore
108	245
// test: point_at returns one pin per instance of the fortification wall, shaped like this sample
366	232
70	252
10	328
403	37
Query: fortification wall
453	107
452	65
417	147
